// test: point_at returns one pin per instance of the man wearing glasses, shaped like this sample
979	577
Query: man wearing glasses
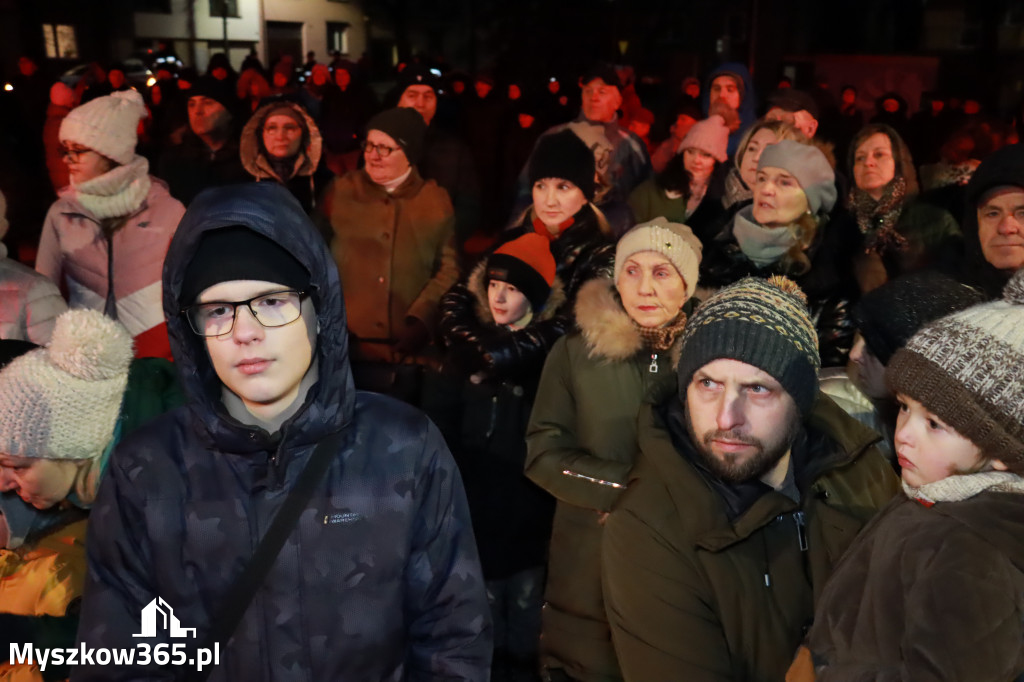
393	241
378	578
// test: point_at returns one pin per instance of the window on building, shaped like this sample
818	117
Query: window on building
153	6
221	8
60	41
337	37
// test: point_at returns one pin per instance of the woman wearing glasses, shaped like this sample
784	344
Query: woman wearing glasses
104	239
281	143
393	241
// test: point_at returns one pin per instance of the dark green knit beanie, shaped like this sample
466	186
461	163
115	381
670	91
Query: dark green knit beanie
762	322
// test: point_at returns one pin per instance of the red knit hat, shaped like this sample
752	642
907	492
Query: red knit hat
525	262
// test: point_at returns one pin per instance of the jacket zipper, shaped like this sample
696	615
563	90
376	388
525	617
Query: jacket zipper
801	529
599	481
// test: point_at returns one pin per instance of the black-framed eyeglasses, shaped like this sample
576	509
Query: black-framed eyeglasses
73	153
382	149
217	318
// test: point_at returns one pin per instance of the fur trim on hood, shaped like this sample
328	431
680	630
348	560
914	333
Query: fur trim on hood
254	158
607	328
477	286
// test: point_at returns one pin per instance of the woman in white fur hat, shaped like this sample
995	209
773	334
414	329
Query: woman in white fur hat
104	239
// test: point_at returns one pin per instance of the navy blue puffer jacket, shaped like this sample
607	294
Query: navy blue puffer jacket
379	580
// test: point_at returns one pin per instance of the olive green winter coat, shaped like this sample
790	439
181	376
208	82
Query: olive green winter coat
581	442
693	596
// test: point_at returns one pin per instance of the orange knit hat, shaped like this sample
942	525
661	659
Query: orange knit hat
525	262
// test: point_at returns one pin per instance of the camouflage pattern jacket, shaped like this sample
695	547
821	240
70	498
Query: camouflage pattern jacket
380	578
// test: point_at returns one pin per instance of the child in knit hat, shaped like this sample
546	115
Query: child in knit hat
703	152
499	326
934	587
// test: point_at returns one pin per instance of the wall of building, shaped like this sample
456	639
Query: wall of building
243	31
314	16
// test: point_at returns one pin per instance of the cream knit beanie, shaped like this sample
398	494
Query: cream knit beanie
63	401
675	241
107	125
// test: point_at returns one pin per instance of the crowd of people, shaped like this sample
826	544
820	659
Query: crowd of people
494	384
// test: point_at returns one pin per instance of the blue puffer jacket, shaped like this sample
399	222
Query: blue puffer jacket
380	579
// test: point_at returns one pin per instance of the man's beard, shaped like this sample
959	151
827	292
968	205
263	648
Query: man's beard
729	115
729	467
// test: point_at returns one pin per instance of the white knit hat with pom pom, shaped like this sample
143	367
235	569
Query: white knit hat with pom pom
63	401
107	125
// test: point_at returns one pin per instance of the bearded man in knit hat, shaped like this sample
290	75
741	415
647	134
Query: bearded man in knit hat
748	487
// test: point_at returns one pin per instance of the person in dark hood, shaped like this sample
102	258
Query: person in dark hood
380	579
993	228
730	94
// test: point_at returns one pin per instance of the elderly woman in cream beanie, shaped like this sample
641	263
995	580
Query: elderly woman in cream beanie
105	237
63	407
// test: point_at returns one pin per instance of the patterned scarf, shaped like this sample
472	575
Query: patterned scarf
877	219
660	339
735	189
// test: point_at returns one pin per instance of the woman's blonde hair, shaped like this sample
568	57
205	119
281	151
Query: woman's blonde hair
805	229
781	130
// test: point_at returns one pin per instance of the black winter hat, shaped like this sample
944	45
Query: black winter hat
792	100
417	74
252	256
564	155
405	126
208	86
1002	167
605	72
888	316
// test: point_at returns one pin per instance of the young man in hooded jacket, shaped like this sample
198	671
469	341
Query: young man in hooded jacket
379	579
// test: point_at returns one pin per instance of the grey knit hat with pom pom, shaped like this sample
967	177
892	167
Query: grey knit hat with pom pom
63	401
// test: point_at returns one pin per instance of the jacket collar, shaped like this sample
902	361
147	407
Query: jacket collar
607	328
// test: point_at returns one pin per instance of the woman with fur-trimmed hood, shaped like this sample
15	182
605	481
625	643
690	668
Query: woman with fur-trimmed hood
499	326
281	142
582	434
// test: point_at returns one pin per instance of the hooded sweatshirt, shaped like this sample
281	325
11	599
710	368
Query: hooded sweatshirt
748	100
378	580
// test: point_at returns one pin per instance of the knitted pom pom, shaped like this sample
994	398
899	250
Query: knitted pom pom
788	286
1013	292
131	96
89	345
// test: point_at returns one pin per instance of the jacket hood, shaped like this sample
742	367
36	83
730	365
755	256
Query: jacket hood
748	100
607	328
254	156
270	210
478	287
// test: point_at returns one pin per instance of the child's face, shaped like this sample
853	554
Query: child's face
929	450
508	304
41	483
